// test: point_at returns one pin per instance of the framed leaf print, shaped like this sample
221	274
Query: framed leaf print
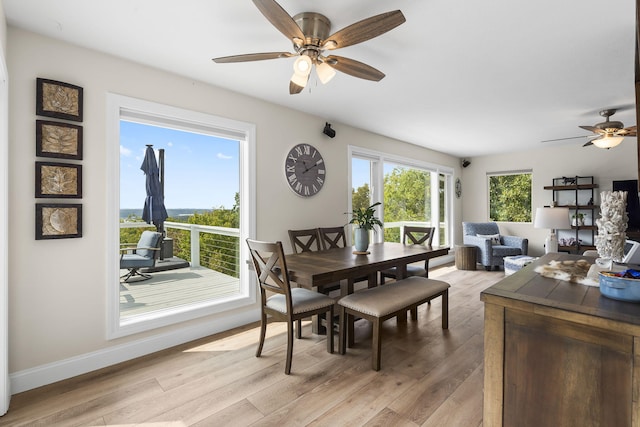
57	139
58	180
58	99
58	221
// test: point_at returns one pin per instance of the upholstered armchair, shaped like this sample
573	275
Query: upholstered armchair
492	247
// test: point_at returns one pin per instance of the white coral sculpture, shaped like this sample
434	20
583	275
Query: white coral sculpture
612	225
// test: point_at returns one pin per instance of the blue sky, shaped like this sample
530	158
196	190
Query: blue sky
201	171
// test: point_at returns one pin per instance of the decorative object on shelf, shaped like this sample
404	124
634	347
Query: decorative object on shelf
365	220
59	100
58	221
305	170
458	188
57	139
58	180
551	218
577	220
612	225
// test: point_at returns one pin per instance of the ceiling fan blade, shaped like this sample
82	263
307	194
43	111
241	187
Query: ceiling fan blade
252	57
630	131
571	137
279	18
354	68
364	30
294	88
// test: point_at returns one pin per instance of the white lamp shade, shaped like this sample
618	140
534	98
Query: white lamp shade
302	65
552	218
300	80
325	72
608	141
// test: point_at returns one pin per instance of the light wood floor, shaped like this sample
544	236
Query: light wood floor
429	377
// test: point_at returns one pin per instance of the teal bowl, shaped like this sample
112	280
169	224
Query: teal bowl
620	288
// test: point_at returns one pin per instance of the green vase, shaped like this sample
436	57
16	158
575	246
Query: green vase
361	237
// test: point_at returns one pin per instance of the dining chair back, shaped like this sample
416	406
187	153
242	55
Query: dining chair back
412	235
287	304
305	240
332	237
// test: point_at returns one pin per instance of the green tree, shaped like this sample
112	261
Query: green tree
360	198
406	198
510	197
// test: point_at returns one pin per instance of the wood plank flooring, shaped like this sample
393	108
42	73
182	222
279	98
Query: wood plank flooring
429	377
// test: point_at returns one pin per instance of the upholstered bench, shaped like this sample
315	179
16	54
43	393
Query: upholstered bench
387	301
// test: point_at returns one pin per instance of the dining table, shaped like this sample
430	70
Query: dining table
316	269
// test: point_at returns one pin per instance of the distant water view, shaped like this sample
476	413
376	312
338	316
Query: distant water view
173	213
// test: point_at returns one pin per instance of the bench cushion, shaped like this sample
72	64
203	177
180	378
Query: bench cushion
386	299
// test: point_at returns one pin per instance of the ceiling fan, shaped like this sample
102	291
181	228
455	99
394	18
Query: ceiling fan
609	133
310	34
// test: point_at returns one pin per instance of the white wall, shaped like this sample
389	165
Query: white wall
58	287
570	159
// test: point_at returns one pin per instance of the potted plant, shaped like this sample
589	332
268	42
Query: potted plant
577	219
365	220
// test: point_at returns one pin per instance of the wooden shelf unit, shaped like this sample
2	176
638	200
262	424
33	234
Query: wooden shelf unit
576	193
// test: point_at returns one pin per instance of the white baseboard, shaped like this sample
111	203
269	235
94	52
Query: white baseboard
56	371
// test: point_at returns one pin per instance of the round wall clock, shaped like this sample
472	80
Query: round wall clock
458	188
305	170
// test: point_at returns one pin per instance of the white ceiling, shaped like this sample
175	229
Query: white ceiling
462	77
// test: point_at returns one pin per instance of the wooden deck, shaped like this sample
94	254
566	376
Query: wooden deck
174	288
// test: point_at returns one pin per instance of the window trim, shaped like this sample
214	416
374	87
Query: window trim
123	107
380	158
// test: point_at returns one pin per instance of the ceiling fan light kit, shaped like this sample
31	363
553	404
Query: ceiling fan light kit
608	141
310	35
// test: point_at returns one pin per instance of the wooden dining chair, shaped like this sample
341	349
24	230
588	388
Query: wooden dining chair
412	236
332	237
287	304
305	240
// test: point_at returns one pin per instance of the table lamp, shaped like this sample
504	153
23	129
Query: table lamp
552	218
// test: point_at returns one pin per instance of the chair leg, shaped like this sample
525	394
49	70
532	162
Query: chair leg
342	333
299	328
330	330
414	313
263	331
445	310
376	345
287	367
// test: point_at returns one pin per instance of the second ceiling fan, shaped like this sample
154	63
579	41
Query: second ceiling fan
310	34
609	133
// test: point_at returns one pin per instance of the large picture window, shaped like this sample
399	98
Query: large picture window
510	196
413	193
205	170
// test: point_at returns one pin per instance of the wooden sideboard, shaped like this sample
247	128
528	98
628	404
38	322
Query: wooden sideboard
559	354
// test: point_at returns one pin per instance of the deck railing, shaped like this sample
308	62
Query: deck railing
210	246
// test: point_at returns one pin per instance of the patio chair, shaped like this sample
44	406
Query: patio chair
287	304
141	255
412	236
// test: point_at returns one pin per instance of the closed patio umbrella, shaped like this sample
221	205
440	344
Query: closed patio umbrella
154	210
